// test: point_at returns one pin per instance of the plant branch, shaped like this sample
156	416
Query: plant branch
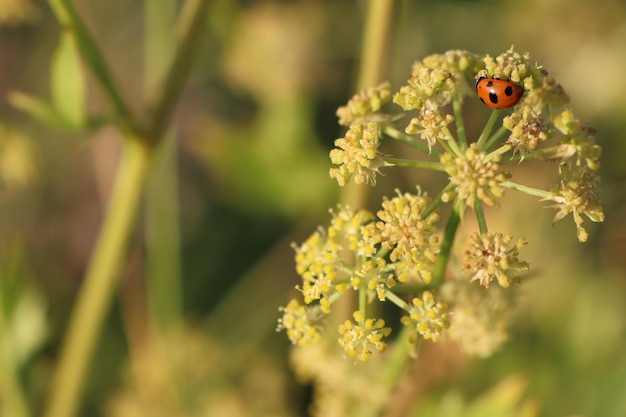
100	282
92	57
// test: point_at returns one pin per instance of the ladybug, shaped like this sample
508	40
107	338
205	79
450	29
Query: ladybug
498	94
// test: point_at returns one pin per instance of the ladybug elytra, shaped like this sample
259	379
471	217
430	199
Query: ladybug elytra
498	94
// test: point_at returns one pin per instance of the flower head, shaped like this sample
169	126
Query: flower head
578	143
493	256
461	64
427	87
528	129
578	193
431	125
362	338
512	66
300	323
479	317
410	238
428	316
364	104
357	155
475	176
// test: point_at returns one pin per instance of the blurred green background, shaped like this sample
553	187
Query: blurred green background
248	175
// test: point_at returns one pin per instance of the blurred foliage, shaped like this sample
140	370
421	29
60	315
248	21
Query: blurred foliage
254	127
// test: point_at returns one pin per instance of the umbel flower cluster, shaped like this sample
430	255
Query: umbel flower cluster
399	254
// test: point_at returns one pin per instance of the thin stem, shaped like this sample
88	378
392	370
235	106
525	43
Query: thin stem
491	122
397	300
546	195
500	151
100	282
458	120
437	200
450	145
396	362
437	166
363	301
480	217
67	16
495	137
409	140
446	247
191	22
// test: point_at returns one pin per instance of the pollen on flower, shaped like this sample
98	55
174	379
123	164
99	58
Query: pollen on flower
527	130
428	317
357	155
474	176
431	126
578	193
410	238
494	256
300	324
364	104
361	339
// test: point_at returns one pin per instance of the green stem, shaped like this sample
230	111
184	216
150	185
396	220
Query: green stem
446	247
363	302
491	122
546	195
67	16
496	137
458	119
191	22
409	140
397	300
480	217
100	282
437	201
500	151
373	58
437	166
375	41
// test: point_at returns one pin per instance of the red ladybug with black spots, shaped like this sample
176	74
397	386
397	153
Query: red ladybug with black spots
498	94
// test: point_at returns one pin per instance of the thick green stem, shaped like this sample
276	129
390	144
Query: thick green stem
94	298
373	57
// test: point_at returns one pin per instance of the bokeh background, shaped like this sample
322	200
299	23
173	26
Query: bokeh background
246	173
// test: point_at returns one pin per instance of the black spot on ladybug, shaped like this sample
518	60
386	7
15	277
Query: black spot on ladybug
508	91
493	97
